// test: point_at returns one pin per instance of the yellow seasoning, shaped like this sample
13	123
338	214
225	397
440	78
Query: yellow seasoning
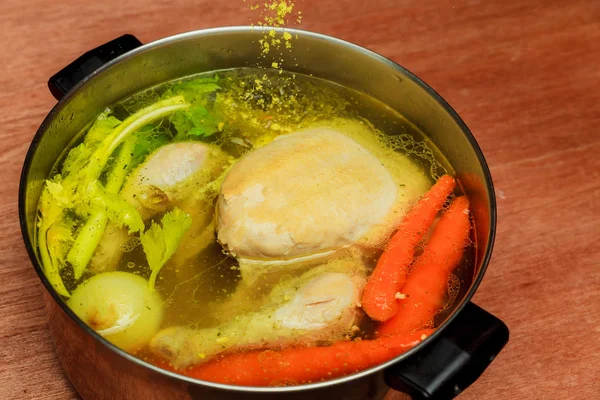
274	14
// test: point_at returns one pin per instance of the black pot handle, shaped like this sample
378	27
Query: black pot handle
454	360
66	78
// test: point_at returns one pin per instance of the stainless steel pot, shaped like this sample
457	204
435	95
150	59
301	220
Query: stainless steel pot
441	367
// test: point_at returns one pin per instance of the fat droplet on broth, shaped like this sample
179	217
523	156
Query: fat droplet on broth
131	244
453	290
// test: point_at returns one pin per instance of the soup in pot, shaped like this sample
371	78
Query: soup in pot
254	227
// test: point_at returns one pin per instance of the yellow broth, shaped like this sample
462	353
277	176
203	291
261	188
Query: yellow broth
250	108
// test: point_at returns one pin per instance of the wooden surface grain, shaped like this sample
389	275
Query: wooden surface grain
525	76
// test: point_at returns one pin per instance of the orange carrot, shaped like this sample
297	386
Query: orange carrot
296	366
379	296
427	284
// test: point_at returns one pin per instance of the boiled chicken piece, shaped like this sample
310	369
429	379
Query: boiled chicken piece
320	305
109	251
162	178
257	282
310	193
304	193
174	175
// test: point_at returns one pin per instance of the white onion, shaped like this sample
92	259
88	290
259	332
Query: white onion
120	307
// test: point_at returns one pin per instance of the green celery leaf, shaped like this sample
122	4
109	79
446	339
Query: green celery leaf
101	128
118	210
51	211
147	140
161	242
196	121
58	192
195	91
59	240
76	159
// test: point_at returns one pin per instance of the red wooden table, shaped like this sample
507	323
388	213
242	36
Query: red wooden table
525	76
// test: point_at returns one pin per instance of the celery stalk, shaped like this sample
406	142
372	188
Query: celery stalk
144	116
50	268
90	235
86	242
74	189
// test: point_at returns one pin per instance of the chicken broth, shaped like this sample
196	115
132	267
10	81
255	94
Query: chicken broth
246	211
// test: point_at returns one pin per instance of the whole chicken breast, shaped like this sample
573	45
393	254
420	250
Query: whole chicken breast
305	193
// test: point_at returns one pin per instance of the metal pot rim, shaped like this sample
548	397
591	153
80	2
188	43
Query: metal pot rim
241	389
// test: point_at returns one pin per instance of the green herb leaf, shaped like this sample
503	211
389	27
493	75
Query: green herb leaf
76	159
195	91
101	128
118	210
160	243
58	192
51	254
148	139
196	121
